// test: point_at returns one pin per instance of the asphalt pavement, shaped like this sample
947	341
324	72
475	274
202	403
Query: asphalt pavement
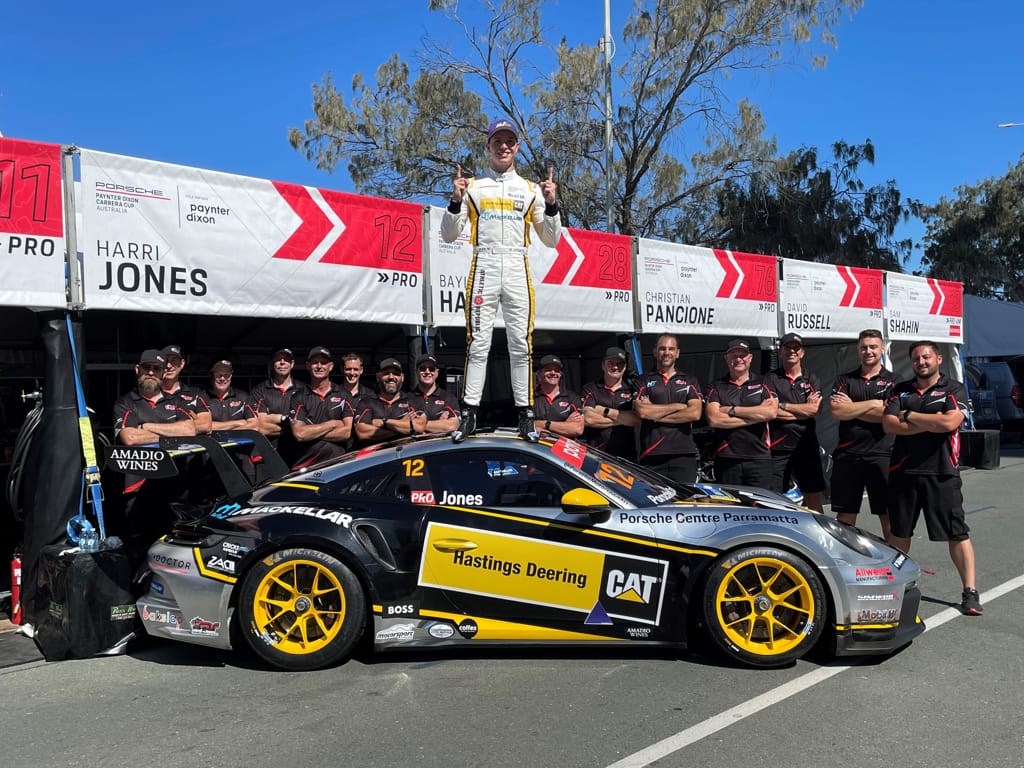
952	698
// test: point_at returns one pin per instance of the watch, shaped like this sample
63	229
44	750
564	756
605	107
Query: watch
732	411
607	410
547	425
783	405
384	422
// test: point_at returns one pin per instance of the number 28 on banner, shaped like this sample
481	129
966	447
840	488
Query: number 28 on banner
31	207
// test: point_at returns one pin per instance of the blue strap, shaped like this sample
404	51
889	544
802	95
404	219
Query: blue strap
92	470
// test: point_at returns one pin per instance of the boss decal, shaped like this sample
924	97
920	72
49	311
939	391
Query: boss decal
589	581
398	610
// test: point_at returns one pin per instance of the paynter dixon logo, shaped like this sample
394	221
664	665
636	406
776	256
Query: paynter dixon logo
600	584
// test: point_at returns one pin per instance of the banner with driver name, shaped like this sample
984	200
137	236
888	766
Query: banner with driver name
168	238
32	250
924	308
586	283
826	301
693	290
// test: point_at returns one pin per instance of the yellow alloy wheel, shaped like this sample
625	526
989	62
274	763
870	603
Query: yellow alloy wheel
301	609
764	606
301	604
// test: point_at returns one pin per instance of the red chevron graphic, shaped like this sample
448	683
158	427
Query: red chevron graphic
947	298
752	277
374	233
312	230
863	287
606	261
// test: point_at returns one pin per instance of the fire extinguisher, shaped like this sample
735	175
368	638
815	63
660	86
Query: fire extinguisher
16	588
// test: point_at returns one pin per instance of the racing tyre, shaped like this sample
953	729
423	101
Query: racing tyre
301	609
764	607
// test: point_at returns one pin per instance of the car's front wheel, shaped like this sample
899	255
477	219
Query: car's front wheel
301	609
764	606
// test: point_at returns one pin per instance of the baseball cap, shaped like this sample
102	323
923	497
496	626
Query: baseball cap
791	338
738	344
614	353
172	349
222	364
319	351
501	124
389	362
152	356
551	360
284	352
426	359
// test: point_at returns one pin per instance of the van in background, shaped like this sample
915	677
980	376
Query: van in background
999	377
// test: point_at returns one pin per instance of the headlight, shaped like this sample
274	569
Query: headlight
845	534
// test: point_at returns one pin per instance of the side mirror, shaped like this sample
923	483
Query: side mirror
583	501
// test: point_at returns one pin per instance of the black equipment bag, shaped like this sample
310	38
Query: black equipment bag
84	604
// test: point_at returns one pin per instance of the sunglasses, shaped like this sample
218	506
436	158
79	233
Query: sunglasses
428	368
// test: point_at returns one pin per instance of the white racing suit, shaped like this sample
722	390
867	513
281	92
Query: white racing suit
500	208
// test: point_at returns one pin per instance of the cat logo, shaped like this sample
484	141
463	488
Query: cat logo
635	587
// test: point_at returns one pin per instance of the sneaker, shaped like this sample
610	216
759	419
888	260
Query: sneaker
527	427
970	605
467	424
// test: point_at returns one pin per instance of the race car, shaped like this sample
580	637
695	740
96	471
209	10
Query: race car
424	543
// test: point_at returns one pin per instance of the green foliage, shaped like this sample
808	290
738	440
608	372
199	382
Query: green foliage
978	236
678	132
800	209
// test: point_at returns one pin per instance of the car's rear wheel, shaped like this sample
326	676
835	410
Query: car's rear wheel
301	609
763	606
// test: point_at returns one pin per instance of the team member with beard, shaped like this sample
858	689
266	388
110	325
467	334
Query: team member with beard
142	417
925	414
387	414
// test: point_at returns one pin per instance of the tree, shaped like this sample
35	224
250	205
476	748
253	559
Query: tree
978	237
800	209
677	132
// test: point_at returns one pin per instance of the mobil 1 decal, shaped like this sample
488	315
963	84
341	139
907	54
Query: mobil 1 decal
602	586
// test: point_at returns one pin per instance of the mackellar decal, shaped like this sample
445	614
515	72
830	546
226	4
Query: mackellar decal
517	568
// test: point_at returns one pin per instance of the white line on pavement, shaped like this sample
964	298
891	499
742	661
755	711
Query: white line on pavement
695	733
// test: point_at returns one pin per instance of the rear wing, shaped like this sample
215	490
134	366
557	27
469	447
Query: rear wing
158	460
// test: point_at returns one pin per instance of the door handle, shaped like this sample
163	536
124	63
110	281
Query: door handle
454	545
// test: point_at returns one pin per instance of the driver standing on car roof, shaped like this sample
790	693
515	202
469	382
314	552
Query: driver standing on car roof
501	208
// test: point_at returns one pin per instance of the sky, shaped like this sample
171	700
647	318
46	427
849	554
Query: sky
217	85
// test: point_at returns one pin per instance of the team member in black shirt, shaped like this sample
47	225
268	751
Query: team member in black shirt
555	409
321	423
387	414
861	457
190	396
439	406
794	441
274	398
608	408
668	402
230	408
925	414
739	408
